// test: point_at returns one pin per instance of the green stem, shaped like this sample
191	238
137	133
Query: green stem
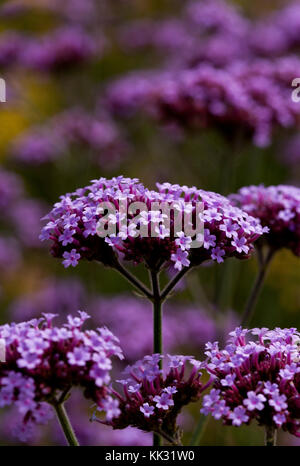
66	424
257	287
133	280
157	330
169	439
171	285
199	431
270	436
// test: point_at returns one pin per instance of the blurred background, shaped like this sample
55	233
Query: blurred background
70	117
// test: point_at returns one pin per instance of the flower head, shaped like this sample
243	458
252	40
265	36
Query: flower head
238	95
44	361
73	225
159	396
59	49
277	208
256	376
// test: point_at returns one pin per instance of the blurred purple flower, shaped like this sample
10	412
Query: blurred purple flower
264	369
86	244
11	188
74	127
278	208
254	96
160	396
11	46
60	49
36	351
10	253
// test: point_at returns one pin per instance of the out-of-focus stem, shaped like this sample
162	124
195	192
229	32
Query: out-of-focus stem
264	263
157	316
133	280
270	436
199	430
157	298
157	330
170	439
66	424
171	285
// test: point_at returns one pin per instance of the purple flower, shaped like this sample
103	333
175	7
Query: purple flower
67	130
217	254
46	361
289	371
59	49
126	242
229	228
209	240
71	258
158	396
254	401
111	407
147	410
29	360
256	376
278	402
164	401
228	380
209	401
238	416
237	94
240	245
11	189
66	237
180	259
277	208
10	254
279	419
134	388
271	388
100	375
170	390
183	241
78	357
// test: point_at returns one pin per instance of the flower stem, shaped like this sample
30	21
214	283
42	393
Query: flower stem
169	439
133	280
157	330
157	316
66	424
199	430
270	436
264	263
171	285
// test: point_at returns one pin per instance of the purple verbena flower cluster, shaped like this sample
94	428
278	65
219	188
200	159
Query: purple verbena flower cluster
256	376
278	207
10	253
43	362
10	48
15	207
51	294
278	33
56	50
73	224
212	31
11	188
216	16
152	399
60	49
73	128
253	96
